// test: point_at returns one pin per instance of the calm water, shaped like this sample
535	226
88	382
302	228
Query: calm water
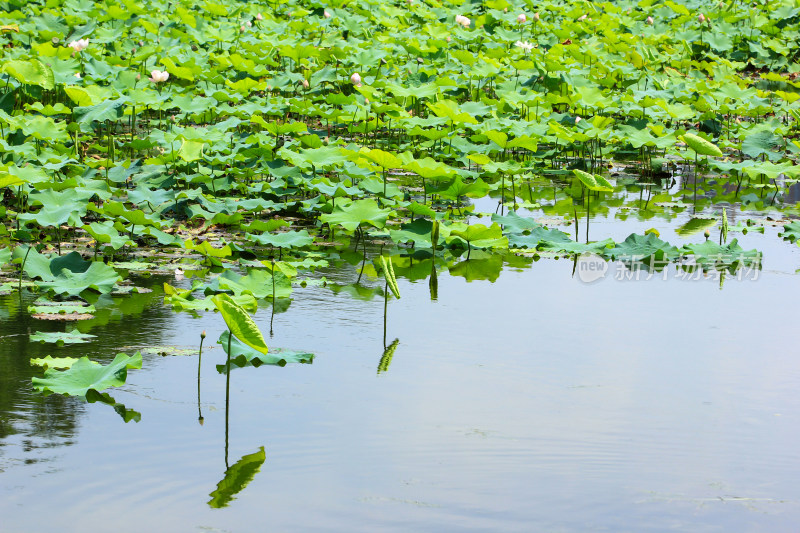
533	403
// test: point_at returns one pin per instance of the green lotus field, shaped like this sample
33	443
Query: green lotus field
332	175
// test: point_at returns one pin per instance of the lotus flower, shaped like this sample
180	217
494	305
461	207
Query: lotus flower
355	78
521	18
525	45
79	45
464	21
650	20
259	16
701	18
326	14
582	17
157	76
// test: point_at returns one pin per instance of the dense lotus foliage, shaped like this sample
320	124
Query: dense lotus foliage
248	145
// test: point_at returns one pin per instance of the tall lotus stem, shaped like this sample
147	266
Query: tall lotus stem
199	360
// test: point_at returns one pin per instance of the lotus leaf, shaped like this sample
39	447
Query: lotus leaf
84	375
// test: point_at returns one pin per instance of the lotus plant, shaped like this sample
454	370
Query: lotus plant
79	45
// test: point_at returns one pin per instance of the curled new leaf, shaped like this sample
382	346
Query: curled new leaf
240	323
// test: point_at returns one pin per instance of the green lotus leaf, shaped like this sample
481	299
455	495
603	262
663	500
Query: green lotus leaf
791	231
257	283
700	145
381	158
763	142
351	216
593	182
186	303
60	338
85	375
191	150
54	362
244	356
30	72
68	274
98	276
240	323
458	188
640	247
287	239
513	223
480	236
429	168
727	255
107	110
237	477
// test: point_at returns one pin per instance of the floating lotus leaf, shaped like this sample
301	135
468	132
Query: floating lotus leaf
60	338
84	375
243	355
352	215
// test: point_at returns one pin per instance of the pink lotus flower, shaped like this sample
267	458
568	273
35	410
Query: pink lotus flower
355	79
464	21
259	16
79	45
650	20
157	76
521	18
326	14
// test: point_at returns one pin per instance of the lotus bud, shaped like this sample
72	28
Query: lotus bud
241	29
78	75
701	18
178	274
355	79
577	119
326	14
305	84
521	18
366	101
259	16
248	24
138	77
536	16
203	334
650	21
449	39
505	10
582	17
133	50
707	234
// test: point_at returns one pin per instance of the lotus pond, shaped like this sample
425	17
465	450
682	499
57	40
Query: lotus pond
412	266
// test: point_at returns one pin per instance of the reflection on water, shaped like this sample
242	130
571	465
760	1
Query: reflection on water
519	399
